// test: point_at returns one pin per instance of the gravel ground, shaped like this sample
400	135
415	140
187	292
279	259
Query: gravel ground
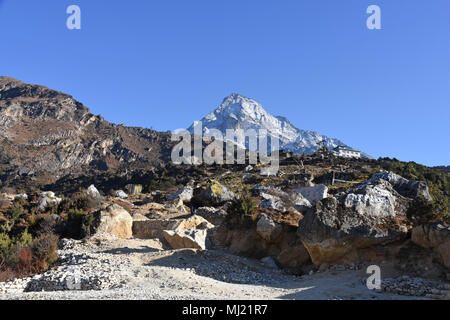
106	267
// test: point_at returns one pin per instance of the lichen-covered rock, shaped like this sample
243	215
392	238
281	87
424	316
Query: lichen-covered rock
215	194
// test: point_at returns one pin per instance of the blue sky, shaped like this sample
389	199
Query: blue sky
165	63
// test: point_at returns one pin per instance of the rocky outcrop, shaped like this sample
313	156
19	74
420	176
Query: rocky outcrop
405	187
435	236
336	228
266	239
115	220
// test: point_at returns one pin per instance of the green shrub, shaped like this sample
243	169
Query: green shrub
14	212
45	251
421	211
79	225
22	256
5	247
241	210
438	183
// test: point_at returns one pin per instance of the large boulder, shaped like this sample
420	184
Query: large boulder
435	236
189	233
336	228
313	194
47	199
115	220
183	194
190	238
93	192
407	188
214	195
267	228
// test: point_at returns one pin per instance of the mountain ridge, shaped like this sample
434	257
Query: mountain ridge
240	112
46	130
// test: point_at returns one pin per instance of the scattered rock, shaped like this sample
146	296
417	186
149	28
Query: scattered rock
121	194
47	199
272	202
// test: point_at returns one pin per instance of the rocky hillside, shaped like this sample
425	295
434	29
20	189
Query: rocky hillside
42	130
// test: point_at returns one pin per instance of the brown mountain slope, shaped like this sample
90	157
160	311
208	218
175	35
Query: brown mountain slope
42	130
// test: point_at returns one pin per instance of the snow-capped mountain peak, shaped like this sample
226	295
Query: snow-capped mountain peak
240	112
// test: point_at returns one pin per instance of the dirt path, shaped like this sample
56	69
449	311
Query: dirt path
141	269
